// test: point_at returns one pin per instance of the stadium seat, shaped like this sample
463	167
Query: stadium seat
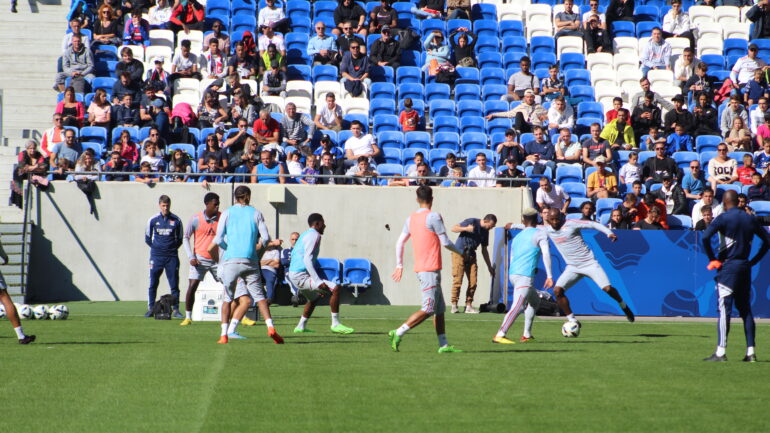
417	139
606	205
389	169
382	106
487	44
419	107
431	24
761	207
467	92
699	14
470	108
570	61
132	130
644	28
385	122
735	47
510	28
575	203
679	222
437	158
416	91
484	11
683	159
514	44
493	92
473	141
569	173
489	60
512	59
543	60
96	134
105	83
382	91
97	148
542	44
645	155
390	139
297	9
577	77
582	94
437	91
189	149
298	72
217	6
569	44
457	23
357	274
408	74
446	140
410	58
473	124
498	125
492	76
446	124
707	143
382	74
647	13
471	157
243	23
485	29
325	73
467	76
590	109
573	188
623	29
391	155
330	267
442	108
408	154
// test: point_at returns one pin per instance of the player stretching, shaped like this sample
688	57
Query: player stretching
240	229
733	280
525	251
580	260
429	234
10	309
304	274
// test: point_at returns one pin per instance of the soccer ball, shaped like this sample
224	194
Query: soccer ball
2	311
40	312
24	311
570	329
59	312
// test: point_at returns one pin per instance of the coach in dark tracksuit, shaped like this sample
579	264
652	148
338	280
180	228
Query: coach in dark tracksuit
164	237
733	280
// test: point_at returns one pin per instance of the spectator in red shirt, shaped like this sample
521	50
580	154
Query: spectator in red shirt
128	149
644	206
267	131
745	172
409	118
617	104
187	15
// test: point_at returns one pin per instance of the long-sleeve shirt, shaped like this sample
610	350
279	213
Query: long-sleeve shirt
437	52
82	61
240	228
743	70
125	115
656	55
569	241
294	128
738	229
565	119
163	234
728	115
531	113
385	52
676	25
316	44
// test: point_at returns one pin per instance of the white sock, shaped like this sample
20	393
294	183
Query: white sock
269	323
571	318
529	318
442	340
302	322
500	334
402	330
720	351
233	326
188	315
19	332
749	350
224	329
335	319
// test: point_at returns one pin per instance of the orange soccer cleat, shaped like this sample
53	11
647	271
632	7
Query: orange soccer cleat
222	340
274	335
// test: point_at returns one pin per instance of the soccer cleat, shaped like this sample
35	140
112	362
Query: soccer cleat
247	322
235	336
395	340
448	349
303	331
222	340
186	322
274	335
30	338
524	339
629	314
148	314
750	358
177	315
13	9
341	329
715	358
470	310
502	340
455	310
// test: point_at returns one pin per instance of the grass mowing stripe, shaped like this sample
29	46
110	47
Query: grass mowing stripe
209	385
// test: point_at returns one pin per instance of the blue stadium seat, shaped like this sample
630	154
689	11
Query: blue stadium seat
392	155
738	156
484	11
297	9
646	13
606	205
493	92
582	93
644	28
218	6
714	61
469	108
441	108
212	17
575	203
325	73
410	58
243	7
243	23
679	222
446	124
301	25
370	40
437	91
489	60
357	274
474	141
467	76
96	134
487	44
105	83
707	142
761	207
542	44
495	106
543	60
590	109
382	74
457	23
189	149
330	267
431	24
407	155
385	122
296	41
569	173
446	140
573	188
382	106
95	147
467	92
514	44
471	157
437	158
764	47
720	189
683	159
416	91
512	59
349	118
492	76
390	139
485	28
473	124
132	130
735	47
343	135
572	61
547	173
498	125
417	139
298	72
623	29
577	77
382	91
508	28
324	9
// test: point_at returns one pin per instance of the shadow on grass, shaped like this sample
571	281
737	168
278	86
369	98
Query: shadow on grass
521	351
668	335
608	342
96	342
332	342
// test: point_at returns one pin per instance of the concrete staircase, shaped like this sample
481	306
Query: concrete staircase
18	258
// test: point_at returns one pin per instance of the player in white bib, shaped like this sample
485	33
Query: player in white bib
581	262
526	249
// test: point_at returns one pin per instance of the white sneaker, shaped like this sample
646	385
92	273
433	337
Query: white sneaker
455	310
470	310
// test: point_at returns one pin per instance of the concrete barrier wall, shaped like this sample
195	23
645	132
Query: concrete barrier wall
78	256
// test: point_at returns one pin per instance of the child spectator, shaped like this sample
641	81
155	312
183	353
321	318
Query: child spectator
146	175
747	170
552	86
628	208
116	163
128	149
707	216
762	157
455	175
758	190
211	169
654	137
617	104
137	31
409	118
293	164
411	169
631	171
180	163
309	170
755	88
151	156
678	141
617	222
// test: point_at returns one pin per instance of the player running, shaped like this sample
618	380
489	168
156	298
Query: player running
525	252
10	309
241	228
733	280
580	260
429	234
304	273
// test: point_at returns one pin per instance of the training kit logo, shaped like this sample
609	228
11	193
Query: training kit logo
627	251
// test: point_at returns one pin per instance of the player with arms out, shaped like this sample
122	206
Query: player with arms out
426	228
305	274
10	309
241	229
526	248
733	280
580	260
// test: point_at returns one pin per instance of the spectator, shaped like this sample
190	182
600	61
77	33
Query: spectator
186	15
179	166
601	183
620	10
270	168
124	114
594	10
160	14
705	117
212	150
552	196
210	112
309	171
350	12
274	81
267	131
678	141
241	108
297	129
540	153
100	110
77	64
250	45
568	150
755	89
106	27
31	165
552	86
521	81
184	63
348	36
656	54
481	175
360	144
679	116
743	69
746	171
409	119
241	64
758	190
145	175
458	9
386	51
234	83
322	48
759	14
70	109
588	211
330	115
739	137
383	15
722	168
159	142
244	159
154	110
645	116
628	207
463	47
125	86
659	166
761	157
677	24
638	98
684	67
674	196
437	52
510	149
560	115
328	167
128	149
694	183
152	157
757	118
646	205
617	104
473	232
595	146
706	200
213	172
429	8
222	38
454	177
270	37
75	26
130	65
619	132
707	217
596	36
159	76
567	22
362	172
115	164
69	150
631	171
216	63
354	70
651	221
274	17
451	165
137	31
419	169
617	222
511	176
526	115
52	136
700	83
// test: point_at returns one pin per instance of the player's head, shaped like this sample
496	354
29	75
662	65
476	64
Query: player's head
529	217
424	195
211	200
729	199
489	221
242	194
316	221
554	218
164	202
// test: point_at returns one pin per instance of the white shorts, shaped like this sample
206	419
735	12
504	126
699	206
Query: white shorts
524	286
309	288
432	296
241	279
205	266
573	274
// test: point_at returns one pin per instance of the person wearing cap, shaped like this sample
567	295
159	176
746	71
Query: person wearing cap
274	17
673	195
522	81
679	116
327	145
567	22
526	115
510	149
348	36
269	36
322	48
386	51
381	15
759	14
656	53
596	36
511	176
602	182
329	115
595	146
274	81
743	69
216	33
351	13
154	110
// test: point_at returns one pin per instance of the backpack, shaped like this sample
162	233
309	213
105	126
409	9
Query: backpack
547	306
162	309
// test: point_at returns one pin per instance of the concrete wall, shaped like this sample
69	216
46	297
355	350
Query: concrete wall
78	256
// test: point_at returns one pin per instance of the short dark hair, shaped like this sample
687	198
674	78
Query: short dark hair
451	155
490	217
525	59
164	198
242	191
314	218
617	99
408	102
356	122
363	158
706	208
424	194
209	197
186	43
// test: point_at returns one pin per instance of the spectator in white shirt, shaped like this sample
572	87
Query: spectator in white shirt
757	115
552	196
656	54
184	64
330	115
676	24
270	37
360	144
560	115
594	5
484	175
273	17
684	67
743	70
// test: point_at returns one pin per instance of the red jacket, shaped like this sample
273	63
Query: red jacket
186	14
80	111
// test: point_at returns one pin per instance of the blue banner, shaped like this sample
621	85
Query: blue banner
658	273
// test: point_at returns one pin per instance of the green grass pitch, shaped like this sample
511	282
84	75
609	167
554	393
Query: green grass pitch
106	369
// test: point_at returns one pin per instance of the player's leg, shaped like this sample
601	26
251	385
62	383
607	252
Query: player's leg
334	306
227	308
520	289
742	300
438	318
458	270
255	286
533	302
156	270
302	282
472	271
597	274
172	275
426	310
567	279
189	300
13	316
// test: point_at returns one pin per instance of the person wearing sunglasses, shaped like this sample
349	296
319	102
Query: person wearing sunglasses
722	168
659	166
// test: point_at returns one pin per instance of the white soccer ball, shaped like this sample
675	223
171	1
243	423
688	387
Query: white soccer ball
2	311
40	312
25	312
59	312
570	329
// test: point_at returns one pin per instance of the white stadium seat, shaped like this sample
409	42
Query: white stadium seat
162	37
607	93
539	27
569	44
299	88
660	76
705	30
710	45
323	87
627	45
193	100
356	106
189	86
303	103
136	50
737	31
599	61
195	37
602	77
727	14
538	10
510	11
626	61
678	45
277	100
700	14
